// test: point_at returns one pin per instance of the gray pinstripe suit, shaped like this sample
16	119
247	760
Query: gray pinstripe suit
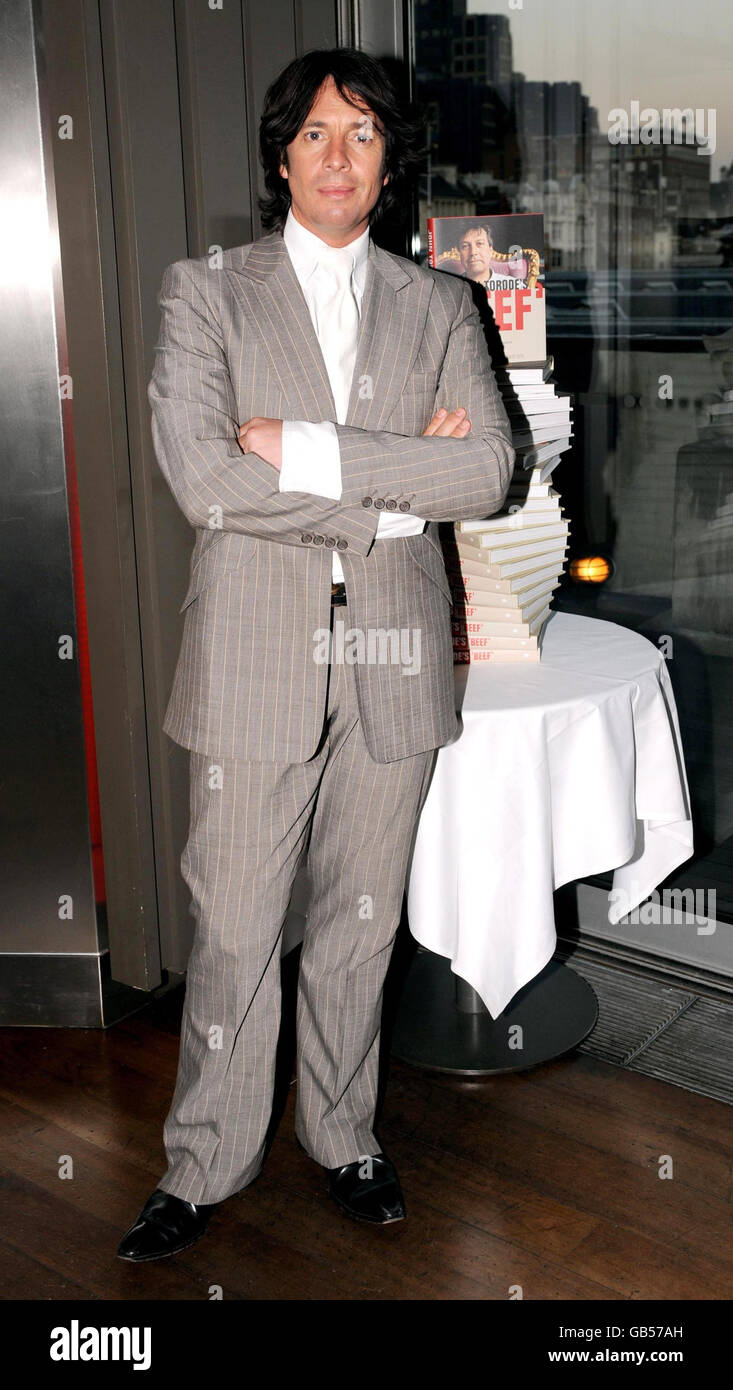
283	746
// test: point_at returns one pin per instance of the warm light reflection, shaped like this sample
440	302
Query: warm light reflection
590	569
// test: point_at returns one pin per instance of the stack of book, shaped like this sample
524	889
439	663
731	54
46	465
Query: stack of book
506	569
503	570
509	564
539	414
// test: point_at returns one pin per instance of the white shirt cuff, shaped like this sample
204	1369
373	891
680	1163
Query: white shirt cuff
311	458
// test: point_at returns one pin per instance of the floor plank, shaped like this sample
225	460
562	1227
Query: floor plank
545	1181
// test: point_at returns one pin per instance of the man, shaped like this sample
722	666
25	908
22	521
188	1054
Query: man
294	398
480	261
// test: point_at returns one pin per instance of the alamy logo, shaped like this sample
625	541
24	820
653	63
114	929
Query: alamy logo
376	646
673	126
77	1343
674	907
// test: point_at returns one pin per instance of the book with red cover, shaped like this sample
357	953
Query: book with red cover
506	255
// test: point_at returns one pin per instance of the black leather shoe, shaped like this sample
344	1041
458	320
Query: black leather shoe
377	1199
165	1225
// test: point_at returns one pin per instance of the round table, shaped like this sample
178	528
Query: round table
560	769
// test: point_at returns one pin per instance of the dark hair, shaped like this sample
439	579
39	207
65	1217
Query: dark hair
473	226
289	99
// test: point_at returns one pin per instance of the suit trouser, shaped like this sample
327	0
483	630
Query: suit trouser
248	833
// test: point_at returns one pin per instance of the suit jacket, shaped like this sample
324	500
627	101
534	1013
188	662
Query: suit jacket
238	341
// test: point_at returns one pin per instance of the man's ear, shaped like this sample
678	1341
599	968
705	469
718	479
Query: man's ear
283	170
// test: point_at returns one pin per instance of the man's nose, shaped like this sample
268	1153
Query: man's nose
337	154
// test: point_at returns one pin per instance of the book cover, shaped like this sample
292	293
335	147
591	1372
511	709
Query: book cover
529	437
513	583
472	647
506	255
513	605
543	459
529	484
537	398
467	656
527	565
515	515
521	617
535	419
522	378
519	534
468	634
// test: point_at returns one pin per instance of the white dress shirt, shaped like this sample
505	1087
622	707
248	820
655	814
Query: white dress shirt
311	458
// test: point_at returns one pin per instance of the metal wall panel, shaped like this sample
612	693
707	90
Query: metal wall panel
44	834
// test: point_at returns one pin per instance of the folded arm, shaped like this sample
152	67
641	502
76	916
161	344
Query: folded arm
195	433
443	479
216	485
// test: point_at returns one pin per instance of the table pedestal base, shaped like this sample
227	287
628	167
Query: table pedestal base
443	1025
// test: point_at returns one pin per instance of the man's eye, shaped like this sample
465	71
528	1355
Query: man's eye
361	137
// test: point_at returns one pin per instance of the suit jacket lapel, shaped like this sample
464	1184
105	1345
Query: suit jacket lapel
393	311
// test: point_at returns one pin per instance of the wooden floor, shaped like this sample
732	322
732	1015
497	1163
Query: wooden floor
545	1179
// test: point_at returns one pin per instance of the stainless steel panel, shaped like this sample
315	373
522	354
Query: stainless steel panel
44	833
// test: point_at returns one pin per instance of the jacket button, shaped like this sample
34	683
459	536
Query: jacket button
342	545
330	542
366	501
404	506
391	504
379	501
306	537
318	540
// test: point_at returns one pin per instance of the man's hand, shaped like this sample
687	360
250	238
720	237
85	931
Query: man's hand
450	422
263	437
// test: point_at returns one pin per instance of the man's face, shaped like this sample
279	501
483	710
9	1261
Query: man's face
475	250
335	167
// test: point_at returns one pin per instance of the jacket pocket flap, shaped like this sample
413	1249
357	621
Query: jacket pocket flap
229	551
428	554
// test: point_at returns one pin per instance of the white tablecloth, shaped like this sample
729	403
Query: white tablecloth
561	769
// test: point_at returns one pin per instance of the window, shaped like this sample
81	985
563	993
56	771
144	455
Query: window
616	123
